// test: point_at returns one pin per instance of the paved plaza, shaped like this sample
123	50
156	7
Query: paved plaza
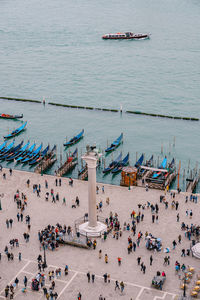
82	261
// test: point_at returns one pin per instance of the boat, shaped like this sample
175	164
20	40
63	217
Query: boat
32	155
18	153
16	131
2	146
162	166
140	161
115	144
47	161
14	117
24	155
11	151
7	148
38	158
125	36
75	139
121	164
113	164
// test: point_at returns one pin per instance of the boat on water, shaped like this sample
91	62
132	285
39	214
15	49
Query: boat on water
18	153
113	164
125	36
140	161
14	117
2	146
16	131
7	148
121	164
74	140
11	151
162	166
32	156
25	154
115	144
39	157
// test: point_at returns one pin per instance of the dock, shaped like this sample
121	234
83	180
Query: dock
66	167
45	165
191	184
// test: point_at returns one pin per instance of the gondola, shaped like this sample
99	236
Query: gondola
39	157
14	117
140	161
32	155
75	139
16	131
121	164
115	144
24	155
2	146
162	166
7	148
113	164
11	152
18	153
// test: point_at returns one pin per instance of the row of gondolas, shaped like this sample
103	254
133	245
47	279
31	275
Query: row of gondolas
31	155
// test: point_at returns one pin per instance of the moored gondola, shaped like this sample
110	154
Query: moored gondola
115	144
18	153
75	139
33	155
16	131
39	157
113	164
121	164
12	151
25	154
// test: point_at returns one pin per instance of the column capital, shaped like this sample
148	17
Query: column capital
90	159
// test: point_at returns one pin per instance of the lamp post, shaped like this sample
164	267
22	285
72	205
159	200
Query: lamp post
129	182
45	262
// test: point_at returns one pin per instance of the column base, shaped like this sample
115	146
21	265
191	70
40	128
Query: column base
96	231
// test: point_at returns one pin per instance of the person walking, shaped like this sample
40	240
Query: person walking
25	281
93	277
138	260
100	254
119	261
88	276
144	269
151	260
20	256
117	285
122	286
106	258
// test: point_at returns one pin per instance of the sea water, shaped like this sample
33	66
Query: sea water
54	49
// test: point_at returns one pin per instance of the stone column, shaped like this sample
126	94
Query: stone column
92	228
91	161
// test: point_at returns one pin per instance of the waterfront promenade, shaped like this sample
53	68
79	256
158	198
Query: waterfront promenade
82	261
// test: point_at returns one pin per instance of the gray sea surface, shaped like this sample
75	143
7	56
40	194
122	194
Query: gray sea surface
54	49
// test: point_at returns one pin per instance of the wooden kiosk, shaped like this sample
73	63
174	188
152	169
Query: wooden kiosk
128	176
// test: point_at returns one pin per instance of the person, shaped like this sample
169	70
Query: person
138	260
20	256
119	261
151	260
88	276
79	296
93	277
106	258
66	270
117	285
25	281
122	286
100	254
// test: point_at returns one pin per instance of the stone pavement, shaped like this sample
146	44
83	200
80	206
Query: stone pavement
80	261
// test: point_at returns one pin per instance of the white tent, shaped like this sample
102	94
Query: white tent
196	250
